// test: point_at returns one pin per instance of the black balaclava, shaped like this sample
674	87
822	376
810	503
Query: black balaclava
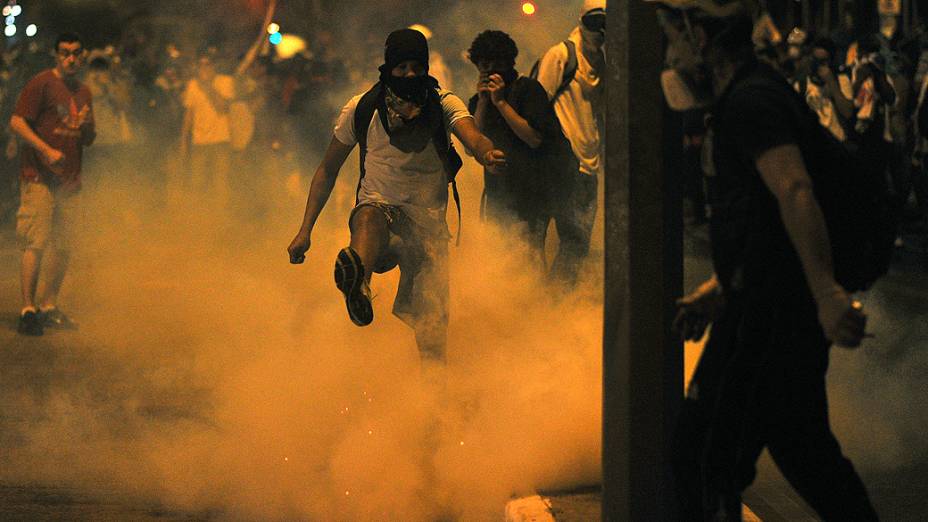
403	45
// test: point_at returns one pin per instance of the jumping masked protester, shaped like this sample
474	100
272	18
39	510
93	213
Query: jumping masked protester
402	126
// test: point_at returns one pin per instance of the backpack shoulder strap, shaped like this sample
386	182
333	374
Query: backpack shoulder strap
363	113
533	74
570	69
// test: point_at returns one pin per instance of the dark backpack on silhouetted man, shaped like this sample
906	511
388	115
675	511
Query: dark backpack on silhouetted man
860	212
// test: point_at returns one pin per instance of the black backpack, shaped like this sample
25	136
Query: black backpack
372	100
858	206
570	69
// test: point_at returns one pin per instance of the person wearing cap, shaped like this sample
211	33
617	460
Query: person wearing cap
402	127
580	107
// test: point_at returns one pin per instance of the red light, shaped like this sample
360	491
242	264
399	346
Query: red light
528	8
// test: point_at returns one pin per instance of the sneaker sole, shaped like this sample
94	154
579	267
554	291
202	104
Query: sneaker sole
349	275
36	331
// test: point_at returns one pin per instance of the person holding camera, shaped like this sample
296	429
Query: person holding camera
826	93
874	97
514	112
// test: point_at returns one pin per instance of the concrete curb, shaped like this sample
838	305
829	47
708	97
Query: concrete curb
569	508
529	509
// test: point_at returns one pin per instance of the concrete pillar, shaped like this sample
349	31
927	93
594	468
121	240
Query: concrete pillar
642	361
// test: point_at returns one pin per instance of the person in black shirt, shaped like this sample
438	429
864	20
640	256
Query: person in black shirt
774	304
514	112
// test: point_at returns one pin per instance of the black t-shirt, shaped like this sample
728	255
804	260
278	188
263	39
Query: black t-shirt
751	248
525	188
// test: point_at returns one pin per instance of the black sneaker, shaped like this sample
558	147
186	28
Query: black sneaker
349	278
55	318
30	324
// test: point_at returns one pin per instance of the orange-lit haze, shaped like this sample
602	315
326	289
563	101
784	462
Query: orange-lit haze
210	374
235	381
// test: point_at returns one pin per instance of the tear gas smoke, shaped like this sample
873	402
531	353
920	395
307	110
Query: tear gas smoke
211	375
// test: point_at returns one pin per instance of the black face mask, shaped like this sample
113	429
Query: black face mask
414	89
595	22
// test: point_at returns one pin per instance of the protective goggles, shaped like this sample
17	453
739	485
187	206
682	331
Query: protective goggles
594	20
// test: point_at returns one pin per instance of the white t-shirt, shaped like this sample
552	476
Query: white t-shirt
578	105
413	181
209	126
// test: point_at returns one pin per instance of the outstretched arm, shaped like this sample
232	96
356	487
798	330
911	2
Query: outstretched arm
479	145
319	192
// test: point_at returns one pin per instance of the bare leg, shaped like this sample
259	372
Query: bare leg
370	236
31	262
55	267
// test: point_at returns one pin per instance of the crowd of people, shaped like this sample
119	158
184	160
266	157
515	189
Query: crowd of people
140	102
199	123
868	90
806	160
789	144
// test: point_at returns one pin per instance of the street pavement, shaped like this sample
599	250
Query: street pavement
32	369
897	359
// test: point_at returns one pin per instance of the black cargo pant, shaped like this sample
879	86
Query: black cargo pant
761	383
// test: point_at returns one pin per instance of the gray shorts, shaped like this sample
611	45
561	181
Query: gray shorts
422	297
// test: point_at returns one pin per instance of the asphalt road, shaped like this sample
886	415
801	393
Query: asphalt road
878	405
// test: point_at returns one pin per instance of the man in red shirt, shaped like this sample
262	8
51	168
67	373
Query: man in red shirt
54	119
